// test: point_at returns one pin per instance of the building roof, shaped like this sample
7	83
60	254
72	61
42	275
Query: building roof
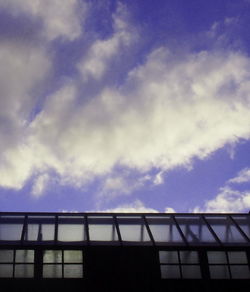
122	229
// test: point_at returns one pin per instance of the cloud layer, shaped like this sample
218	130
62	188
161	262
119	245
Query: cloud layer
169	109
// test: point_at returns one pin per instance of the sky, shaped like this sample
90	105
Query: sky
125	106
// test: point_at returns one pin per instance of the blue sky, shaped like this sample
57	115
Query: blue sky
129	105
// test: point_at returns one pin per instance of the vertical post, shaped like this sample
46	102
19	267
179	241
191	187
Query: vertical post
117	229
148	229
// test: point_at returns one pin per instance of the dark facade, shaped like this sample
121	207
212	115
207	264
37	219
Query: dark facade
124	252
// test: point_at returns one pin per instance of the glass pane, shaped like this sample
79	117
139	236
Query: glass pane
71	232
168	257
240	272
6	256
6	271
217	257
237	257
48	232
170	272
191	272
195	229
133	229
24	256
102	229
52	271
24	271
219	272
244	223
73	256
189	257
41	228
32	232
164	230
52	256
72	271
11	232
225	229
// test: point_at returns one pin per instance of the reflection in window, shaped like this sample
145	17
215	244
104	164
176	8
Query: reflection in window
227	265
195	229
62	264
179	264
16	263
225	229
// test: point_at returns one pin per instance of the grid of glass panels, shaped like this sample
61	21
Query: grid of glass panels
228	265
179	264
62	264
115	229
16	263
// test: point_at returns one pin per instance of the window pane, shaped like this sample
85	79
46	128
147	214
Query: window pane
237	257
225	229
6	271
219	272
72	271
32	232
170	272
24	256
6	256
191	272
41	228
133	229
52	256
71	232
240	272
244	223
216	257
102	228
73	256
189	257
164	230
11	232
52	271
24	271
195	230
168	257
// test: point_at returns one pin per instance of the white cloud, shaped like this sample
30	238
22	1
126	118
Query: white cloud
40	185
97	60
242	177
22	68
169	210
135	207
169	111
60	18
228	200
121	184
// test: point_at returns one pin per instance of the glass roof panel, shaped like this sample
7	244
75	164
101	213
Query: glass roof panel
102	228
71	229
133	229
164	230
195	229
225	229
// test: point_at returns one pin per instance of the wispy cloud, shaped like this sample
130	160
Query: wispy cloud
59	18
242	177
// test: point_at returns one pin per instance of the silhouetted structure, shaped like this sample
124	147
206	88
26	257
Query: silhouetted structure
124	252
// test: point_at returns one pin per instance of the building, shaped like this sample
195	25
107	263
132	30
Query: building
124	252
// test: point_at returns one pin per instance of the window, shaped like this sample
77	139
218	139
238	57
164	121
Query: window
179	265
228	265
16	263
62	264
